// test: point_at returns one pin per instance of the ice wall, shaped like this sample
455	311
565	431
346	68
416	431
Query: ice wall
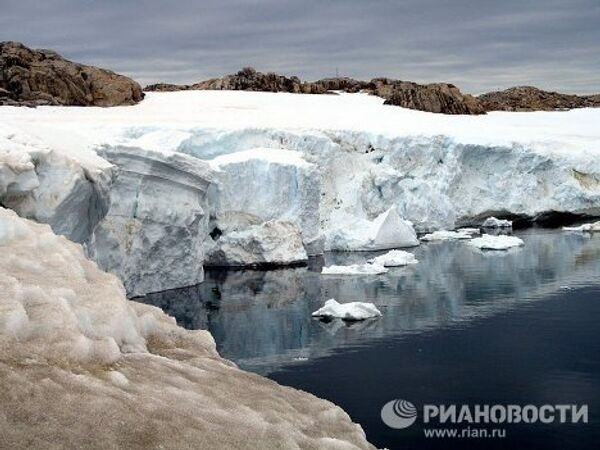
153	233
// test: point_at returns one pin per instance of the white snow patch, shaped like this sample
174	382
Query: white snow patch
394	258
347	311
489	242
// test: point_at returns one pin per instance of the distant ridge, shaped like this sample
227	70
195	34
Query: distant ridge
436	97
529	98
443	98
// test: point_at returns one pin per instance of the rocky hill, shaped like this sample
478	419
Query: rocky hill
437	97
529	98
42	77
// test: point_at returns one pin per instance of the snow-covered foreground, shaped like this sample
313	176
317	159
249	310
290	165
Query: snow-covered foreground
329	165
83	367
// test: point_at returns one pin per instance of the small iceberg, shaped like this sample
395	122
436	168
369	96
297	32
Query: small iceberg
347	311
386	232
444	235
354	269
492	222
394	258
586	227
489	242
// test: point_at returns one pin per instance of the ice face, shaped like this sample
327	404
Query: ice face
258	185
153	234
332	165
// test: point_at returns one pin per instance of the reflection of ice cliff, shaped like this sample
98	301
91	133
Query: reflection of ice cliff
261	319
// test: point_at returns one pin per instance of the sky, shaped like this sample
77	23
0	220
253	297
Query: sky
478	45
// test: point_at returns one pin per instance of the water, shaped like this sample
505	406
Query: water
462	326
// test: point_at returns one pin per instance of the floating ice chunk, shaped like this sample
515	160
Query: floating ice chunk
394	258
387	231
470	231
274	242
586	227
492	222
354	269
444	235
489	242
347	311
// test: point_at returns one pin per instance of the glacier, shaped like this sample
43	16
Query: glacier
330	165
75	350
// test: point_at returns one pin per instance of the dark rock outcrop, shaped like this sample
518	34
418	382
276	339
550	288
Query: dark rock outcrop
42	77
529	98
437	98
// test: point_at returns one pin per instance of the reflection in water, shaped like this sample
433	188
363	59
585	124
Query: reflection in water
262	319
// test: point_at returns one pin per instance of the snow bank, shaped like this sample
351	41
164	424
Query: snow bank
586	227
74	349
354	269
394	258
444	235
347	311
270	243
492	222
489	242
388	230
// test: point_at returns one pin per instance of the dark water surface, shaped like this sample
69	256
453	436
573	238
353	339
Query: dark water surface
461	327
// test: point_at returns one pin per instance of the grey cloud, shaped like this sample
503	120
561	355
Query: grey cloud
478	45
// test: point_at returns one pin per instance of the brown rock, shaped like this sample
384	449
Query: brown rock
529	98
438	98
42	77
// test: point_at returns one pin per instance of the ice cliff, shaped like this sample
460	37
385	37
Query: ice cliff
327	165
153	234
74	349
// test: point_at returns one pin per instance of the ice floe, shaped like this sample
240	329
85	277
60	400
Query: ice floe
394	258
347	311
444	235
489	242
586	227
354	269
492	222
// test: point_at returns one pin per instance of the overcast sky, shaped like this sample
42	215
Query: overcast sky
479	45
